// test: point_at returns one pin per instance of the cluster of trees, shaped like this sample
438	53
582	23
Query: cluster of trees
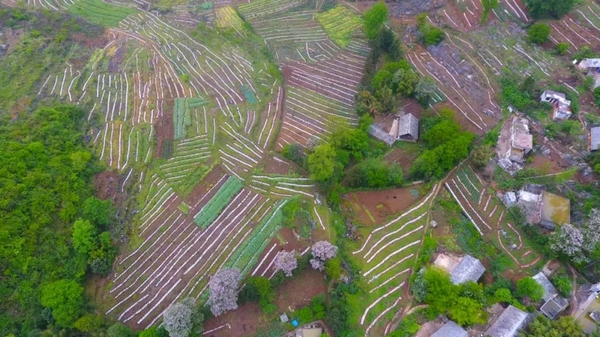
54	232
466	303
554	9
564	326
579	244
446	144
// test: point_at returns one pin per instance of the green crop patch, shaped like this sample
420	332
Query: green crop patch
219	201
339	23
182	114
100	12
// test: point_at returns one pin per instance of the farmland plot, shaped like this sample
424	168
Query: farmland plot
489	216
387	255
340	23
579	28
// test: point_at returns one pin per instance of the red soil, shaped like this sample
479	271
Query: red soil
277	166
380	204
244	321
299	291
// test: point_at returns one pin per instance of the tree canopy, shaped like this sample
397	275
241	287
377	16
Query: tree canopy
321	163
65	299
539	9
374	19
538	33
528	288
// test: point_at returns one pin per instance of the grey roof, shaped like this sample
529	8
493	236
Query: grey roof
595	316
451	329
554	306
383	136
549	290
408	126
508	323
469	269
592	63
595	138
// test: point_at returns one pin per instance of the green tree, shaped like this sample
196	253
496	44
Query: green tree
481	155
150	332
538	33
562	48
428	33
425	91
88	323
528	288
321	163
374	19
119	330
539	9
488	6
597	96
333	268
563	285
99	212
387	99
65	299
542	326
503	295
467	311
366	103
408	327
405	82
295	153
84	236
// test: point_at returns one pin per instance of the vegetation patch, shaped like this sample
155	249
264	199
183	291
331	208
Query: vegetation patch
100	12
339	23
213	208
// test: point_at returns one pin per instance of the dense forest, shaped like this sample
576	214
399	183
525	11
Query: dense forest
52	229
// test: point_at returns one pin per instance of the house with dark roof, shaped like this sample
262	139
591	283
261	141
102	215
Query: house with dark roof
469	269
561	105
594	139
450	329
508	324
408	127
554	304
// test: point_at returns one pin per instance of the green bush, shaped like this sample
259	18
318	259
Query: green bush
428	33
597	96
563	285
538	33
562	48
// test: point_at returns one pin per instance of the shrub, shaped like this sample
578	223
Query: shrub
563	285
562	48
528	288
428	33
538	33
597	96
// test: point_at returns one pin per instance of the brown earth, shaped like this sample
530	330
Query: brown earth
244	321
403	158
274	166
205	185
290	242
374	207
299	291
107	186
164	127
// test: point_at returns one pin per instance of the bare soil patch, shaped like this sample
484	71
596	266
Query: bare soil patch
107	186
164	128
374	207
244	321
275	165
299	291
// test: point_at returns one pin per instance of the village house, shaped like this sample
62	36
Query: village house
561	105
542	207
590	67
461	270
594	139
450	329
514	143
554	304
510	321
404	127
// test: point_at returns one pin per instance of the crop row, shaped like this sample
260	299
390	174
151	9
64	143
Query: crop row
213	208
227	17
101	12
339	23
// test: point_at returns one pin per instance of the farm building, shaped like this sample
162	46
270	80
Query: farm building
595	316
515	141
554	304
461	269
381	135
408	127
309	332
450	329
469	269
594	139
510	321
543	208
561	105
591	67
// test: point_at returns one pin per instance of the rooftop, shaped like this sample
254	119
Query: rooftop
549	290
309	332
555	209
595	138
383	136
451	329
508	323
469	269
408	126
591	63
554	307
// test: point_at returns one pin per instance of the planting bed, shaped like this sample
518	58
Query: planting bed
386	255
374	207
481	206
